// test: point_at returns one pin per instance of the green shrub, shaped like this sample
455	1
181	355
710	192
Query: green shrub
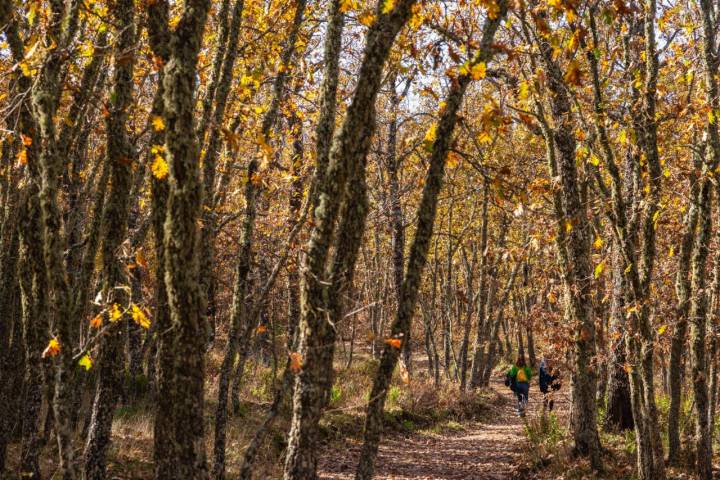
394	395
408	425
545	434
630	444
335	394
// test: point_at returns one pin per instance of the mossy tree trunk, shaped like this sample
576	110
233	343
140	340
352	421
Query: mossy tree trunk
182	359
120	158
346	161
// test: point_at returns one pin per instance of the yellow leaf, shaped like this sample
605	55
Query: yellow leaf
656	216
52	349
524	91
431	134
346	5
599	269
139	316
478	71
32	12
22	157
87	50
159	167
25	69
366	18
267	149
388	6
662	329
453	160
628	268
598	243
622	138
711	117
594	160
158	124
568	226
115	312
86	362
628	368
671	252
484	137
156	149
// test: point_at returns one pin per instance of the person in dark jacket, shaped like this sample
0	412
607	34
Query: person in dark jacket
549	380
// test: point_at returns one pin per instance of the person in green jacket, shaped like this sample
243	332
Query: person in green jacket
519	379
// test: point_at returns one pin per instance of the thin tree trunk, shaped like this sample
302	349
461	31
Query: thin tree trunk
619	414
242	325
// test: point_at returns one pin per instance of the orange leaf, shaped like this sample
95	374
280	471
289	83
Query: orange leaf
97	321
52	349
295	362
394	342
574	75
140	259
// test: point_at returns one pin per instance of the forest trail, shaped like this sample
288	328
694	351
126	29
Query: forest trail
491	449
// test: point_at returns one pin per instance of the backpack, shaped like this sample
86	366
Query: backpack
521	376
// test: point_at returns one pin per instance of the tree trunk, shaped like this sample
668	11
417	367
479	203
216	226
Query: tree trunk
347	160
120	156
218	91
181	242
573	245
619	415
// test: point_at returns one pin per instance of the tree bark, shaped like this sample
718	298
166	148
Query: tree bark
346	161
186	362
120	157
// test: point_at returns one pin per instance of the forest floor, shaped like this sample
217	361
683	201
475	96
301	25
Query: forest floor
492	448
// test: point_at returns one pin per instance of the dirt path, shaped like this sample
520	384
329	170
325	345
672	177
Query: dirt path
490	450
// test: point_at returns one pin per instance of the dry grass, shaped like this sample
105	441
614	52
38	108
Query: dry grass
410	407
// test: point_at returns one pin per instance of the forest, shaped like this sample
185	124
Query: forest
307	239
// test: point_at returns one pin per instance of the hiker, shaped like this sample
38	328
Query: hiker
549	380
518	379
